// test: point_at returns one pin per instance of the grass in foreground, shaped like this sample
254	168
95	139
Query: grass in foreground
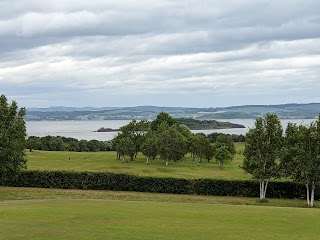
106	161
78	214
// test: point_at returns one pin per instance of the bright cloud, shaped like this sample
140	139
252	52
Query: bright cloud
177	53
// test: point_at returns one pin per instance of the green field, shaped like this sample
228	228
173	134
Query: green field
76	214
106	161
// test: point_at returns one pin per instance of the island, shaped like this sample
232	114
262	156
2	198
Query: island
194	124
107	130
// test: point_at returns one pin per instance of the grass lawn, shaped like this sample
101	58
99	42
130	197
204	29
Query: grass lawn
76	214
106	161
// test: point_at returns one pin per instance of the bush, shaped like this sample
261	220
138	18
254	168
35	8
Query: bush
127	182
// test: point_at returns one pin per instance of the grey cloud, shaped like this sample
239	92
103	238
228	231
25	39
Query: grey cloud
154	50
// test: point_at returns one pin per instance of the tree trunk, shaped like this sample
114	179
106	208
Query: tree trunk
263	189
312	195
147	160
123	159
167	162
308	195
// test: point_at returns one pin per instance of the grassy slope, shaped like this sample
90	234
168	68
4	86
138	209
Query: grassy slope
120	215
106	161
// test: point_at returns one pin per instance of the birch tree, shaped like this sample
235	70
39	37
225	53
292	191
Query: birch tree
262	151
12	138
172	145
125	147
149	148
301	156
199	147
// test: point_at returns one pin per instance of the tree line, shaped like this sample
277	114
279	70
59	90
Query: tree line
52	143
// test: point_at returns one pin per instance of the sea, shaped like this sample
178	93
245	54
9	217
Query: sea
87	129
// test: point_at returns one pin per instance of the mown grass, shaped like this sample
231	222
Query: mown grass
106	161
78	214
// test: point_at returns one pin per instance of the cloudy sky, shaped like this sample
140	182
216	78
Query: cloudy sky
189	53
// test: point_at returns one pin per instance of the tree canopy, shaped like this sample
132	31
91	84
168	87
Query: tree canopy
262	150
301	156
12	138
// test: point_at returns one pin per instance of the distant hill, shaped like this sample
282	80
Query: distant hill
284	111
194	124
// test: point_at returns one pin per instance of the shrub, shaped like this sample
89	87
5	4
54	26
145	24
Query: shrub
127	182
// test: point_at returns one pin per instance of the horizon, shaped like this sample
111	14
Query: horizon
280	104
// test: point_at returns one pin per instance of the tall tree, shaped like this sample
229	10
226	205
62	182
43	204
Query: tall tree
149	148
200	147
136	131
125	147
172	144
301	156
12	138
262	150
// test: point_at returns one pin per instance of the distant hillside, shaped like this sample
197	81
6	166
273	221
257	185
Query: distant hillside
194	124
310	110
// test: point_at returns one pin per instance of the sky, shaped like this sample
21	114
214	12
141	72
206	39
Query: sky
188	53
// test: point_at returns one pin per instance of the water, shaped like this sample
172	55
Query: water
85	129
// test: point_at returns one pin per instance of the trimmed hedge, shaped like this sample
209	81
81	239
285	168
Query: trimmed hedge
127	182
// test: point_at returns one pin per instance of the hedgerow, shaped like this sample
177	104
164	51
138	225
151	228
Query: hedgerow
128	182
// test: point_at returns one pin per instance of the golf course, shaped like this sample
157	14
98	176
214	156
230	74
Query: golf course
37	213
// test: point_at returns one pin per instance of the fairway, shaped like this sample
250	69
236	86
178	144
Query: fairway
122	216
106	161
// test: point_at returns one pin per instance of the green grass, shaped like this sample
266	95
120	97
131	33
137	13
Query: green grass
106	161
76	214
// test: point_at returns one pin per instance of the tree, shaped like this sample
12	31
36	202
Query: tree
33	143
125	147
93	145
209	151
83	146
262	150
227	141
222	156
12	138
149	148
200	147
301	156
172	144
162	117
136	131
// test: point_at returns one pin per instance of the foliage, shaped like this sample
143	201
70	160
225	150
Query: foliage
127	182
194	124
12	138
226	140
149	148
262	150
301	156
136	131
236	138
162	117
172	144
222	155
58	143
201	148
126	147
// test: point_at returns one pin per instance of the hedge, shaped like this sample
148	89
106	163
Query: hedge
127	182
